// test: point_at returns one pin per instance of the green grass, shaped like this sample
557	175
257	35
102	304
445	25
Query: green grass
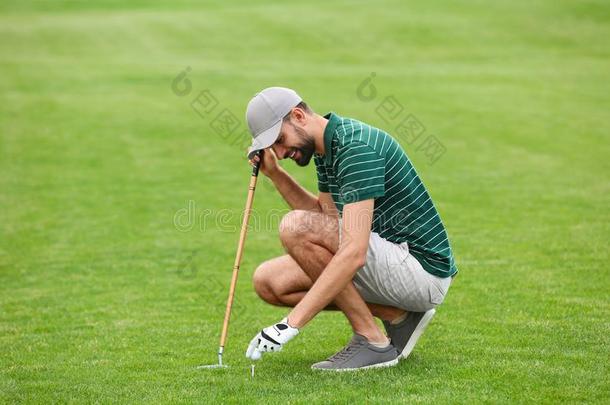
103	299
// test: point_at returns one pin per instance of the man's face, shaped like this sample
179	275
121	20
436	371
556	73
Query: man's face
294	143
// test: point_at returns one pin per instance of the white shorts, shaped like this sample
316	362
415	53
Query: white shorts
392	276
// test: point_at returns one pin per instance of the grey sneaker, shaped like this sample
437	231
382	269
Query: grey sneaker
404	335
359	354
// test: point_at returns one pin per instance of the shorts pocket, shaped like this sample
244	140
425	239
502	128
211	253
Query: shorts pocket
396	257
436	295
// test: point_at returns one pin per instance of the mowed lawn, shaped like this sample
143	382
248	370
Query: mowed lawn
113	290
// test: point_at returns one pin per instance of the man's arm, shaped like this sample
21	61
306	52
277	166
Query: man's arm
356	230
292	192
295	195
327	204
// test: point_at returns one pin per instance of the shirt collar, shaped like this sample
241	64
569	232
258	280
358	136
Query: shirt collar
329	131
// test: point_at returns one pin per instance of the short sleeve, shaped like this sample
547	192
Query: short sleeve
360	172
321	172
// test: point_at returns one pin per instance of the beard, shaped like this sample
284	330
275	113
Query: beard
306	149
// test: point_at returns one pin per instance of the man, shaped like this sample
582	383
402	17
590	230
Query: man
370	244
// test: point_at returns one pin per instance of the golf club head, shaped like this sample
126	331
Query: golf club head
210	366
217	365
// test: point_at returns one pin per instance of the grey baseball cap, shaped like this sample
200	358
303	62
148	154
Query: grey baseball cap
265	113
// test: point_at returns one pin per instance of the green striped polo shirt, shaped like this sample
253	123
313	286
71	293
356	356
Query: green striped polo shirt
362	162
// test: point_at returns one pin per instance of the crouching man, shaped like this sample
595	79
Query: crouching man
370	244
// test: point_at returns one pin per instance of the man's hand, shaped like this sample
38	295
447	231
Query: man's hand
269	166
271	339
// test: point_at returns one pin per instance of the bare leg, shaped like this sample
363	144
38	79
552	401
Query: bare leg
281	281
312	239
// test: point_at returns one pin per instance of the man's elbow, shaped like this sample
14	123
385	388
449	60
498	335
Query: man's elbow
360	261
319	207
355	257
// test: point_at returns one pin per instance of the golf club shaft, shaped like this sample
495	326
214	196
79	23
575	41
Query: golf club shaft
240	248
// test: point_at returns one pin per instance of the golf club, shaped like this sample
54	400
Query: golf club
240	248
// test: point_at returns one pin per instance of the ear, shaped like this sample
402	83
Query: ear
299	115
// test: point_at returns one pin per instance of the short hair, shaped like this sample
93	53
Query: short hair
303	106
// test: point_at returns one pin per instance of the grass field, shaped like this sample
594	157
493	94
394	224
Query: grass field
109	292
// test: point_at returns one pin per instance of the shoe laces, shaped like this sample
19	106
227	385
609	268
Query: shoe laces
346	352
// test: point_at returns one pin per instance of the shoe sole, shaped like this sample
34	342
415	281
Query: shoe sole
378	365
419	329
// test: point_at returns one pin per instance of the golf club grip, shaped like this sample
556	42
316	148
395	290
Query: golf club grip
257	165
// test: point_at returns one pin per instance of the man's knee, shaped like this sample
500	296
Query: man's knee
262	281
295	225
300	226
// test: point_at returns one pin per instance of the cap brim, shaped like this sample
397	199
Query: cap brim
265	139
